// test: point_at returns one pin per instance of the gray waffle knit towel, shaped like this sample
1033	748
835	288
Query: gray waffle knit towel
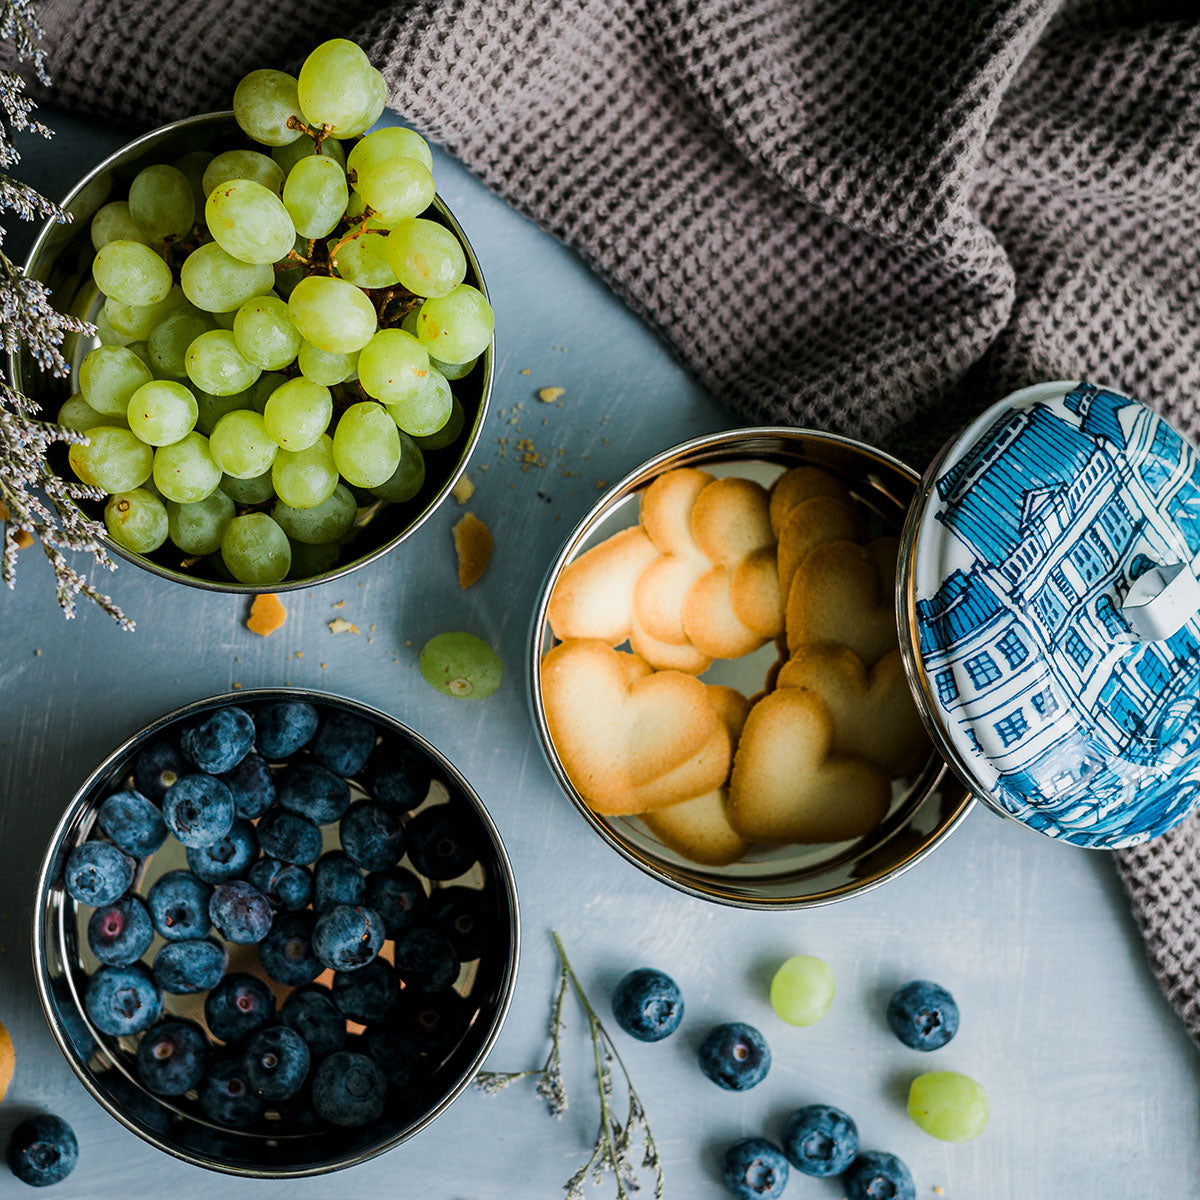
873	217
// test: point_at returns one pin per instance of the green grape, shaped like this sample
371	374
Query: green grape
106	333
113	223
218	283
332	314
393	367
131	273
162	203
225	320
309	561
338	90
427	258
297	413
802	990
185	471
448	434
453	370
384	145
108	376
361	256
258	490
316	195
429	411
265	334
198	528
366	447
249	222
170	340
256	550
461	665
142	350
136	520
409	324
266	107
112	459
216	365
456	326
242	164
305	478
241	446
288	156
213	408
79	415
409	476
326	522
140	321
193	165
162	412
322	366
376	103
948	1105
260	393
396	189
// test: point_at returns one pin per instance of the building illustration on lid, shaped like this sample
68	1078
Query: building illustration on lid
1083	728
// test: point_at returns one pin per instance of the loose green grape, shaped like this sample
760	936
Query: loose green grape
322	366
218	283
242	164
366	447
305	478
186	471
198	528
338	90
802	990
260	393
112	459
213	408
453	370
326	522
108	377
162	412
249	491
332	314
297	413
136	520
161	202
393	367
448	434
361	256
429	411
193	165
409	476
316	195
170	340
396	189
461	665
113	223
309	561
79	415
216	365
265	334
948	1105
427	258
131	273
456	326
288	156
249	221
256	550
241	446
380	147
266	107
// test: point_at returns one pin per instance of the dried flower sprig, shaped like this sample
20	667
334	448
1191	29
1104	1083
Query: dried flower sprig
615	1139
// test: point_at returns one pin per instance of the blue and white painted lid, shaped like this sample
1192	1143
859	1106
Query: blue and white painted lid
1051	599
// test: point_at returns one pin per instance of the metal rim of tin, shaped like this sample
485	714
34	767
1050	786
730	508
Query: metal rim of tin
33	263
765	443
43	927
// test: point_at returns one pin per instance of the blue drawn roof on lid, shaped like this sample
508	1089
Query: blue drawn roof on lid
963	604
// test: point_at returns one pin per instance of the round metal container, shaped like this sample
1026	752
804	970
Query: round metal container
925	808
105	1065
61	257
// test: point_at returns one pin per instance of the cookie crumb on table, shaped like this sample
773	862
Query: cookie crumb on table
267	614
548	395
473	545
463	490
341	626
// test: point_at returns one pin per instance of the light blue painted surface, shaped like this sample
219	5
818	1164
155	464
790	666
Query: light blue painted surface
1093	1081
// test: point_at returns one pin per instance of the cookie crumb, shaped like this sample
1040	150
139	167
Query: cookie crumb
299	653
473	545
548	395
37	654
526	371
267	614
463	490
339	604
237	687
324	666
341	626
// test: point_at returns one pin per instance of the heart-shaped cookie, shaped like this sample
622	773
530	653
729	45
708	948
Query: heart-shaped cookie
699	829
667	656
730	519
797	485
755	593
811	522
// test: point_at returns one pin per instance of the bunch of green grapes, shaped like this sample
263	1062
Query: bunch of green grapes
280	332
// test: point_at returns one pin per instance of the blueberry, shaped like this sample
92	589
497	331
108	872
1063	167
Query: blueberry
219	740
42	1150
132	822
227	857
923	1015
286	952
123	1000
252	787
172	1056
438	845
373	835
225	1095
399	777
735	1056
344	742
240	913
314	792
289	836
120	933
349	1089
461	914
395	1055
434	1020
425	959
276	1062
284	728
753	1167
238	1006
820	1140
875	1175
398	897
368	994
285	885
186	967
97	873
178	904
198	810
337	879
312	1013
648	1005
347	937
156	768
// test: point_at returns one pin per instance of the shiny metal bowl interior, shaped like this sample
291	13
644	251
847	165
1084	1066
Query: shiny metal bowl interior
61	257
925	808
105	1065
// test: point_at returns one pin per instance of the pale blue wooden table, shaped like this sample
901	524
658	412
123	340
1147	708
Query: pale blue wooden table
1093	1081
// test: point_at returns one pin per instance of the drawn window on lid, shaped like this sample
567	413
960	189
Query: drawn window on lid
1044	702
982	669
1012	727
947	689
1013	649
1078	649
1063	584
1087	562
1107	615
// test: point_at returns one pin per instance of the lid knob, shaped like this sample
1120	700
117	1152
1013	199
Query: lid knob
1162	601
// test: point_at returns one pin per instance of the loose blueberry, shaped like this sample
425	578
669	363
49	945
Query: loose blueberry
343	743
276	1062
395	1055
368	994
178	904
284	728
434	1020
186	967
172	1056
219	740
753	1168
875	1175
425	959
42	1150
97	873
820	1140
239	1006
227	857
240	913
337	879
286	885
735	1056
225	1095
399	777
349	1090
314	792
438	845
120	933
648	1005
347	937
123	1000
252	787
312	1013
289	836
398	897
286	952
923	1015
132	822
373	835
198	810
156	768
